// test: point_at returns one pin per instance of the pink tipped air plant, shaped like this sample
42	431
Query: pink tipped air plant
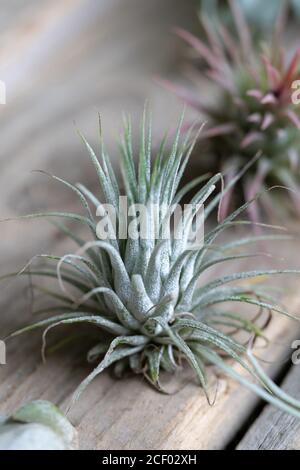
253	108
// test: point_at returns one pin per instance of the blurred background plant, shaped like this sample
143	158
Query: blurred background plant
261	17
247	103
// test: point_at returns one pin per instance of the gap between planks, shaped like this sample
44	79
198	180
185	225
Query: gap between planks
274	429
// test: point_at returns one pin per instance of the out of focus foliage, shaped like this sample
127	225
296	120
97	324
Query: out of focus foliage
261	14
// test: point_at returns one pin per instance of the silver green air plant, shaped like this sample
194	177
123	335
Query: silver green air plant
150	295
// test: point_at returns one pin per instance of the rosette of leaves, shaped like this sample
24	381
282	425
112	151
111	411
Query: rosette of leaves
252	108
149	294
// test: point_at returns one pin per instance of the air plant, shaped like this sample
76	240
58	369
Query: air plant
38	425
252	107
145	293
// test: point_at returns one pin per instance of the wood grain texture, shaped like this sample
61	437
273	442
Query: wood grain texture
273	429
180	421
130	414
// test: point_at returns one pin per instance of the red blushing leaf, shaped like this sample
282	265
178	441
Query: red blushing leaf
251	138
199	46
292	116
272	73
257	94
182	92
269	98
216	131
226	199
242	28
290	74
267	121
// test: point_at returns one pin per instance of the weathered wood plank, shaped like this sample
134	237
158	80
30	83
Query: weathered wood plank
273	429
112	414
180	421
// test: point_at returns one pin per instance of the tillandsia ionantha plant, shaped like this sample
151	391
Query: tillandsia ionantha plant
144	291
252	107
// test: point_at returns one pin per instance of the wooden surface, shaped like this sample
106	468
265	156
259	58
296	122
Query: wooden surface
273	429
131	415
63	61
